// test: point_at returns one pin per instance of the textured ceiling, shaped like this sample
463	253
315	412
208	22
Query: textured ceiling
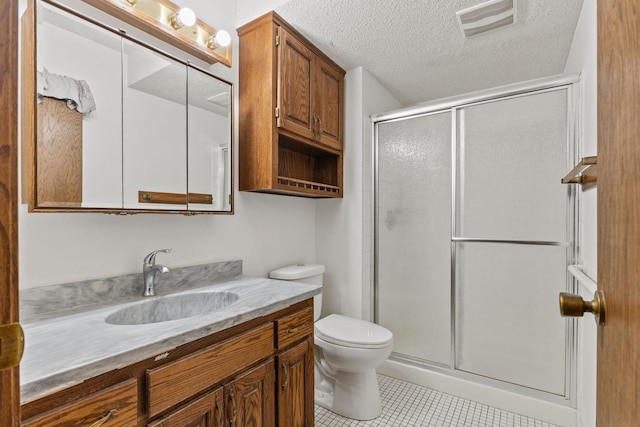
416	49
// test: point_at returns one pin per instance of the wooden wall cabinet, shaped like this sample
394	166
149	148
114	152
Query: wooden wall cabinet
59	154
228	379
291	112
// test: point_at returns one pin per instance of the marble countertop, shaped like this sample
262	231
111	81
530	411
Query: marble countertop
66	350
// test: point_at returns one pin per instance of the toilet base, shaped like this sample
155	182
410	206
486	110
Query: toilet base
355	395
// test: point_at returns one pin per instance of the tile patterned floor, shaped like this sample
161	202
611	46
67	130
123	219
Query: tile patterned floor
408	405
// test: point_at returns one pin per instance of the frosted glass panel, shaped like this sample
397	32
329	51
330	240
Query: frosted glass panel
512	155
509	327
414	235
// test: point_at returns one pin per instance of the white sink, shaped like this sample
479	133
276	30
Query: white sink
173	307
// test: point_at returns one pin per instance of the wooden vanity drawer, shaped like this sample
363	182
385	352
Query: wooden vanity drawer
116	405
294	327
205	368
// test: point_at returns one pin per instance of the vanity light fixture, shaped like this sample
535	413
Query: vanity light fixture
185	17
172	24
219	39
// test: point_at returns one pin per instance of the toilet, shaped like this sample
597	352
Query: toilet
347	353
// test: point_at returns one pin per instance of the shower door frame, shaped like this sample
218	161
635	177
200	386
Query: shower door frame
569	82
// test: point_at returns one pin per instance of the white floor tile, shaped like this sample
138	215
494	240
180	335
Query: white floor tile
409	405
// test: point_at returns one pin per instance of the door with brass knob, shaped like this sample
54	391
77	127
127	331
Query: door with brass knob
572	305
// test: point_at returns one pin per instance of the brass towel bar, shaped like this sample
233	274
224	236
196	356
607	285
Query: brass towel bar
584	173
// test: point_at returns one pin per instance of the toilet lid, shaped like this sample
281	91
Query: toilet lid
350	332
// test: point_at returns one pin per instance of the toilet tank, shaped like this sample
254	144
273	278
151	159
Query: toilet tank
305	273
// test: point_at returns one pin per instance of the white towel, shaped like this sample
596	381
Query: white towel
75	92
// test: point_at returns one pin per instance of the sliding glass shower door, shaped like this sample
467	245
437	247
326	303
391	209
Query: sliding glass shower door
512	239
474	233
414	235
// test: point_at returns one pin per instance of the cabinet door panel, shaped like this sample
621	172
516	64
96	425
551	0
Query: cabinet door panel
295	386
250	399
329	92
295	88
206	411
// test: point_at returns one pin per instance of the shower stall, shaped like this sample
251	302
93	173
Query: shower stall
473	234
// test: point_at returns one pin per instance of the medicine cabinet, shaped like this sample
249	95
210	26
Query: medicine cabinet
114	125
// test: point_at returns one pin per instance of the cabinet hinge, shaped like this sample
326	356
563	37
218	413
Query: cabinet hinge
278	40
11	345
277	112
230	201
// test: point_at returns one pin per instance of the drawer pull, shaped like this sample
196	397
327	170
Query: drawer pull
220	413
294	330
285	373
112	413
234	411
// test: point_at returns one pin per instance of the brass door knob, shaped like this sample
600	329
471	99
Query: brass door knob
574	306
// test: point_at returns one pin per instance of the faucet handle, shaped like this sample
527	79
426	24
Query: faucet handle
151	258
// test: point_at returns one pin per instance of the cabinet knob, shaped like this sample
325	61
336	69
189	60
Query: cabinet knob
285	373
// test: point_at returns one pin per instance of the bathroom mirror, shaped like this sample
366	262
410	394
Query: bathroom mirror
122	127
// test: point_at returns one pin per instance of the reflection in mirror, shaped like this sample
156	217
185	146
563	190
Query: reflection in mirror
209	130
154	122
78	150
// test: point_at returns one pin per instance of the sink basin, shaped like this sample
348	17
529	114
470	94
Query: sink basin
164	309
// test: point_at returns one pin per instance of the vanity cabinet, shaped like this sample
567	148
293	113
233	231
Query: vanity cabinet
291	112
258	373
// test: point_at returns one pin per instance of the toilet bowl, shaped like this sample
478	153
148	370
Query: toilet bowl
347	352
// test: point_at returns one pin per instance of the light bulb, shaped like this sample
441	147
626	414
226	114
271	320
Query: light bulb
220	39
185	17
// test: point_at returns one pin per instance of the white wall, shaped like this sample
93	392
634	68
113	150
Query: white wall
583	58
266	232
343	226
250	9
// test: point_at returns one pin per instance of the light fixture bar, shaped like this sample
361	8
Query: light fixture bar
170	23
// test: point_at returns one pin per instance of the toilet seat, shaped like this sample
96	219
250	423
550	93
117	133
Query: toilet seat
349	332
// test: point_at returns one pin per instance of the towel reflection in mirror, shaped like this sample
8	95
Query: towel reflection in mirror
75	92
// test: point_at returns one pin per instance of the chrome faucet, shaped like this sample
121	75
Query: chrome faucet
150	269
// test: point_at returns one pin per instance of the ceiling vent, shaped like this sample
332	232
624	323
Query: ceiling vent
487	16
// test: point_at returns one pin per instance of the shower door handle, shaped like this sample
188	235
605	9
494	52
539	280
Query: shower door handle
572	305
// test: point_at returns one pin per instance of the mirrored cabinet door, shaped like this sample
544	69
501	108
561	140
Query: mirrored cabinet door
120	126
154	124
209	133
78	113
